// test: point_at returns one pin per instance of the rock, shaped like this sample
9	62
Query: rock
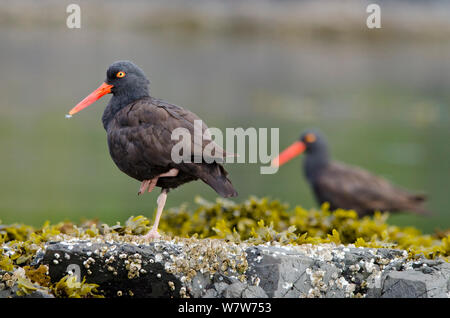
417	283
279	274
124	269
234	290
12	293
254	292
216	269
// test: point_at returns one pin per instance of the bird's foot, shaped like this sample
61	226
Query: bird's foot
153	234
144	186
148	184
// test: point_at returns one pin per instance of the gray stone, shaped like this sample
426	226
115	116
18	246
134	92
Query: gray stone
417	283
254	292
198	285
210	293
273	271
12	293
234	290
220	287
402	285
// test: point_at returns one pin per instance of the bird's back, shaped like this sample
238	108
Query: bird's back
350	187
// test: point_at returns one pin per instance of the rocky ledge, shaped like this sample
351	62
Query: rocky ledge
214	268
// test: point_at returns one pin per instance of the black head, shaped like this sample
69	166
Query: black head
317	157
124	80
314	141
128	84
127	79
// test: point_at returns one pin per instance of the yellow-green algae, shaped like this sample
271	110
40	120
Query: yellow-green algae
69	287
262	220
254	221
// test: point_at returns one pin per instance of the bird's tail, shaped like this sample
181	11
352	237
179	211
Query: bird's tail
419	197
217	179
417	202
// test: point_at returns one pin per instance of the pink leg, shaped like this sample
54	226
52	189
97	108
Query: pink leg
171	173
161	201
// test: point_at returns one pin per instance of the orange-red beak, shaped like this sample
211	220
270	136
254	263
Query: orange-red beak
289	153
92	97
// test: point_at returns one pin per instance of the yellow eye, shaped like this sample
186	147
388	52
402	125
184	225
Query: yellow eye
310	138
120	74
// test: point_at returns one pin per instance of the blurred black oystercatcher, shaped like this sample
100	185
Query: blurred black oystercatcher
139	129
344	186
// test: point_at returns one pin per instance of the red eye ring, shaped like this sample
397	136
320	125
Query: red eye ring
120	74
310	138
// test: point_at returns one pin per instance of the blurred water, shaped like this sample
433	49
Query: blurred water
383	107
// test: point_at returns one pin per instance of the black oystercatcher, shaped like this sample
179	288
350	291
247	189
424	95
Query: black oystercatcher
139	131
344	186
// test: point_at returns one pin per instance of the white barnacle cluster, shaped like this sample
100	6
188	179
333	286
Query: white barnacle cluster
317	283
287	285
123	256
110	259
158	257
56	258
133	264
87	263
354	267
347	287
322	252
183	293
339	254
369	265
255	280
206	256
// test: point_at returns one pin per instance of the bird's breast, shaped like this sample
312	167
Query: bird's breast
129	157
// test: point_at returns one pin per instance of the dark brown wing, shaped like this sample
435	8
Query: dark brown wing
350	187
142	131
162	117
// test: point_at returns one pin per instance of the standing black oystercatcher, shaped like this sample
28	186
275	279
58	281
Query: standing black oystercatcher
139	129
344	186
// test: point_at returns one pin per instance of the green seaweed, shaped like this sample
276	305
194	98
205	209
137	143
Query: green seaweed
6	263
38	275
69	287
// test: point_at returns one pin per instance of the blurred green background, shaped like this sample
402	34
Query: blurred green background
381	96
